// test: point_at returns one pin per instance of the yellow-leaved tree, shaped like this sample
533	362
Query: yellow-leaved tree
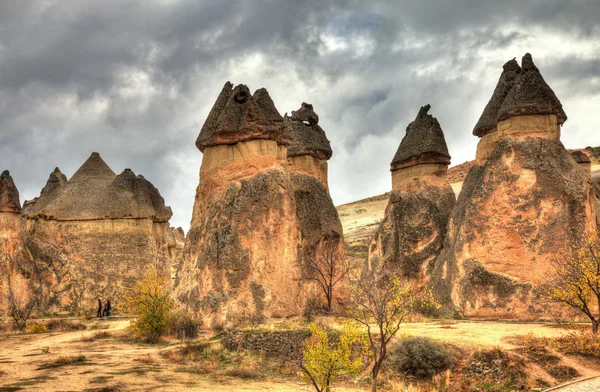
574	281
150	302
380	302
327	357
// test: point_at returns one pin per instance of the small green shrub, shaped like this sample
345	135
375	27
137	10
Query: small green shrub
183	325
419	357
36	328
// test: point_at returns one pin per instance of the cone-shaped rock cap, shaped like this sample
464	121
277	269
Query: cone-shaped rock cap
580	157
424	142
531	95
95	192
307	137
94	168
9	194
238	116
488	120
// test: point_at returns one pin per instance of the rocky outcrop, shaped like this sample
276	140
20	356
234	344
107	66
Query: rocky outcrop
583	161
241	258
10	228
519	208
412	232
93	235
320	227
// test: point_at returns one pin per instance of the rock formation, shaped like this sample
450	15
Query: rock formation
241	255
486	128
583	161
320	227
412	232
93	235
309	149
524	204
10	227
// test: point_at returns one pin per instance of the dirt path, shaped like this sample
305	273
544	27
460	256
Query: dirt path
110	363
116	362
589	385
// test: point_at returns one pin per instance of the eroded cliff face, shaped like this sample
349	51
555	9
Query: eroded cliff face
242	254
93	236
526	204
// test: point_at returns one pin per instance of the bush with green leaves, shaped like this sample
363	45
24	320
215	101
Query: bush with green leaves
183	325
151	303
419	357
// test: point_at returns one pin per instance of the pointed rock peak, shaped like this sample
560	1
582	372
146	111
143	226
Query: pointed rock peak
305	114
488	120
305	135
531	95
424	142
238	116
57	177
125	180
266	105
93	168
9	194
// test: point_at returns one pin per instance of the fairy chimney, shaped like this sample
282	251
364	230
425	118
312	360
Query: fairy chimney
412	231
583	161
241	256
422	152
521	206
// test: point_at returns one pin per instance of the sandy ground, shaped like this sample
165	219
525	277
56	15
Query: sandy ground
130	366
111	363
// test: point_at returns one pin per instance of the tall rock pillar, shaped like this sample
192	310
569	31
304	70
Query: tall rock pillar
412	232
241	255
518	209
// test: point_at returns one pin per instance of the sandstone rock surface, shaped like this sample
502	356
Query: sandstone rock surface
93	235
242	254
412	232
519	208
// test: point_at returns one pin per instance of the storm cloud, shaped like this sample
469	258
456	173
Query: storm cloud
134	80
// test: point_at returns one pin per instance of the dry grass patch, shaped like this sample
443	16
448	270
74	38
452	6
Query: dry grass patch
97	336
64	325
64	361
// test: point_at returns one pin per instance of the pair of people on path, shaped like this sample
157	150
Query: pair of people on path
103	308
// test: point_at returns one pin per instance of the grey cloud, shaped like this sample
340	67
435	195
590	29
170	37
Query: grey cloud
135	80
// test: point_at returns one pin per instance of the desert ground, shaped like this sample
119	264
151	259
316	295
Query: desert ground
113	361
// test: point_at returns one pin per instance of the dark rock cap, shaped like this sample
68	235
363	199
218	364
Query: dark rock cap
95	192
237	116
531	95
424	142
488	120
580	157
307	137
9	194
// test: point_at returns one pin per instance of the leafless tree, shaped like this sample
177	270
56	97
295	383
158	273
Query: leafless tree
327	267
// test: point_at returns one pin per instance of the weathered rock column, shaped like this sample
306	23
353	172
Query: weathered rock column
412	232
241	255
320	226
10	228
518	209
583	161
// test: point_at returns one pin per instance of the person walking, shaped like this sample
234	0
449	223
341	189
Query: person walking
99	308
107	307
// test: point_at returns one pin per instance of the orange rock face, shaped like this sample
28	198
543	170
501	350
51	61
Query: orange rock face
92	236
242	254
526	204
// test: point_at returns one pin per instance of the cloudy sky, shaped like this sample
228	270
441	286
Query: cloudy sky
134	80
